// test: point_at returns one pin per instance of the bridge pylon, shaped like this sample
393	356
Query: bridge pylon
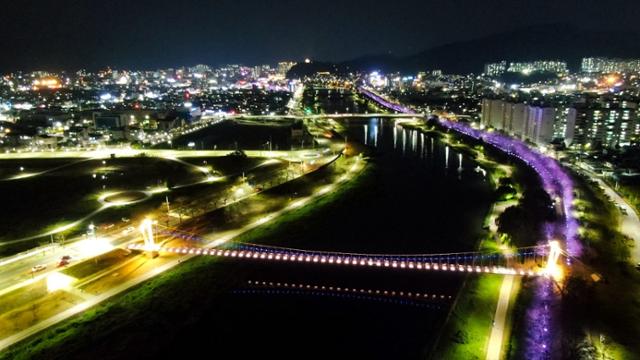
146	228
553	268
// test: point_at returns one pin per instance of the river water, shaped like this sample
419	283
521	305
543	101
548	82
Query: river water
420	196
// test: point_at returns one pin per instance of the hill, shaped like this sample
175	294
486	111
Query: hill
541	42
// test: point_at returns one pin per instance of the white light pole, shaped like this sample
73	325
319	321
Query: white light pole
92	231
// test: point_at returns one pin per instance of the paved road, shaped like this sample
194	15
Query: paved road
15	274
500	319
89	302
630	223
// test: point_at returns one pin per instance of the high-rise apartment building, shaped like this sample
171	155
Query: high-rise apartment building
499	68
532	123
606	65
604	123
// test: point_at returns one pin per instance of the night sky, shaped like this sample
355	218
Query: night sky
142	34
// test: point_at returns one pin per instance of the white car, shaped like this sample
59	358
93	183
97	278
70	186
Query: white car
128	230
38	268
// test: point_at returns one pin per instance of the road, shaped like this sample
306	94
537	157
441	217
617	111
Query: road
629	222
500	319
14	271
15	274
310	157
88	303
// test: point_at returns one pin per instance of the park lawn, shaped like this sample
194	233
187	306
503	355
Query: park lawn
92	266
23	295
62	197
30	314
129	308
70	210
517	327
466	334
513	317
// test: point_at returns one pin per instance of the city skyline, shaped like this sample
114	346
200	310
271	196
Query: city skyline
338	179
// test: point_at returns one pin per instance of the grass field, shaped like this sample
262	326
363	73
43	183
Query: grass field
467	331
39	309
69	193
96	264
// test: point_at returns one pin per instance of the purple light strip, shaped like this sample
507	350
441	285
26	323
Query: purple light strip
386	103
555	179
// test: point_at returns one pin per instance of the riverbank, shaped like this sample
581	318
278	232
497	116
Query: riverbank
472	319
466	335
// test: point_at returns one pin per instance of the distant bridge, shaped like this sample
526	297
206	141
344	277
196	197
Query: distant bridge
317	116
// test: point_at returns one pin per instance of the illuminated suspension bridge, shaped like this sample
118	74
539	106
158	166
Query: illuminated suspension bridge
527	261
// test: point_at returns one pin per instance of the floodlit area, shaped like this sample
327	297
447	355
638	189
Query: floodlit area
58	281
90	265
104	190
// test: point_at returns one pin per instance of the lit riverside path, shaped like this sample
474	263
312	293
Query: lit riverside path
559	185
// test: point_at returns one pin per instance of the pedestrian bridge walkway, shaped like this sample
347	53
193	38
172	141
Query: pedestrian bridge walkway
527	261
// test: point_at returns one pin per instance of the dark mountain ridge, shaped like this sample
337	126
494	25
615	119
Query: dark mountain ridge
540	42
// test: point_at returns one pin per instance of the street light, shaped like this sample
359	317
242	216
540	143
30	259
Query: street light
92	231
